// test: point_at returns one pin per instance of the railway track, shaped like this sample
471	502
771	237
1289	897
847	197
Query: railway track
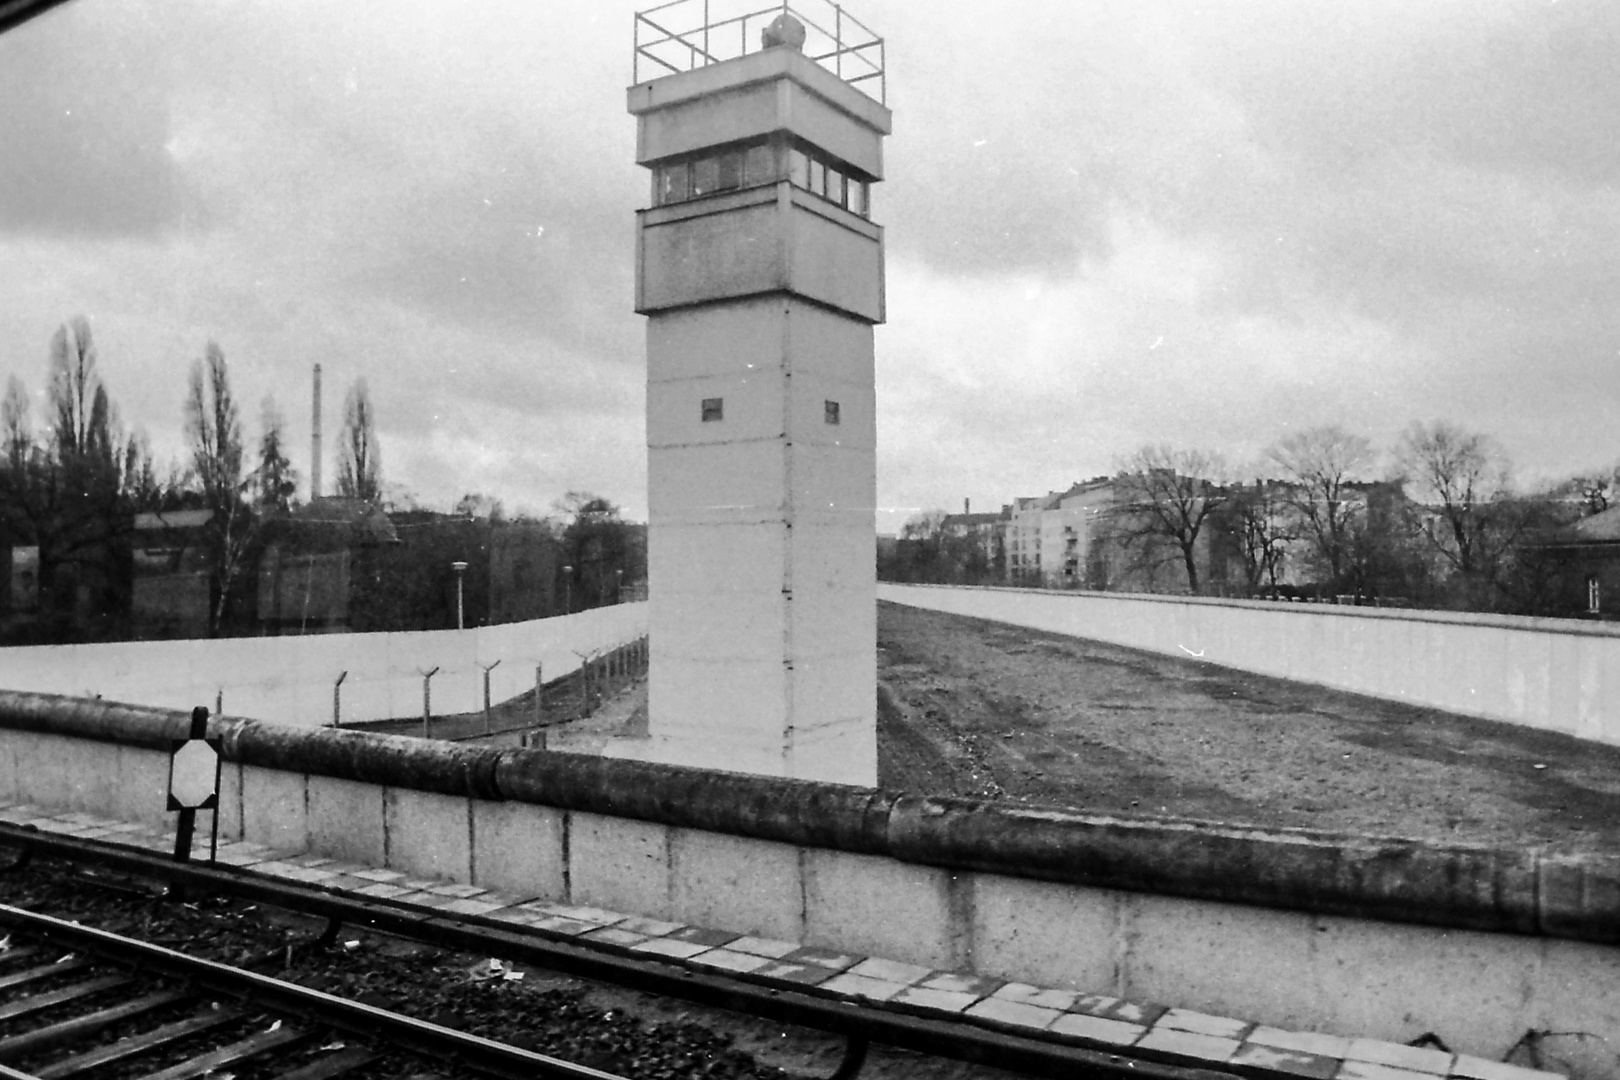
170	1016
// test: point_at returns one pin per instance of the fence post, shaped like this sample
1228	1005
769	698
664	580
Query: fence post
487	670
337	700
427	698
584	683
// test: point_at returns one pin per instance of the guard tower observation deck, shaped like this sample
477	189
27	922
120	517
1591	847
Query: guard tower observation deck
686	34
761	273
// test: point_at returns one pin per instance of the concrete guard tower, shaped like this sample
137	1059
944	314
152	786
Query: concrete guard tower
761	275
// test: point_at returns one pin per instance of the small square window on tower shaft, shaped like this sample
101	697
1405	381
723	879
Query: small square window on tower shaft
714	409
830	411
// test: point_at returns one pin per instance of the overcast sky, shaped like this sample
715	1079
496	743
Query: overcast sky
1109	223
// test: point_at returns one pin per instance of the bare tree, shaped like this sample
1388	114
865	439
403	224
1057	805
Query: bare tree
15	425
1462	476
66	490
81	418
215	430
359	459
1325	465
1262	528
1166	494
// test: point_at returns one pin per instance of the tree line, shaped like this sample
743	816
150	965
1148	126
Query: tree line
1435	522
73	480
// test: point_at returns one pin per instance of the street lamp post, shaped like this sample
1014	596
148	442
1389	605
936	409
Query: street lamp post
568	589
458	566
618	586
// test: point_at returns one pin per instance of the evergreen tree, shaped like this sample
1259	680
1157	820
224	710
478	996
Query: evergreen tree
274	479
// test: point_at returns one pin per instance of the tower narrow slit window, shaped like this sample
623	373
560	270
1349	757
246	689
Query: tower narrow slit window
714	409
829	411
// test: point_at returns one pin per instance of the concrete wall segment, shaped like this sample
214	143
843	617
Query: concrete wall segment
1047	933
852	903
518	848
428	834
620	865
346	819
289	679
285	785
275	808
739	883
1219	959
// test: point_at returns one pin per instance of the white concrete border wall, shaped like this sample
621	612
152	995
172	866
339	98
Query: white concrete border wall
289	680
1554	674
1337	974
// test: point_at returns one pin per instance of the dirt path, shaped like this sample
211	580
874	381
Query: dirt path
979	708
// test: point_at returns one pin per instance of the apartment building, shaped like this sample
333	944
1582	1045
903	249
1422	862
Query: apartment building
1049	536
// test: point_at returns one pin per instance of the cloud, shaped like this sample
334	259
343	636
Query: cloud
1107	224
84	128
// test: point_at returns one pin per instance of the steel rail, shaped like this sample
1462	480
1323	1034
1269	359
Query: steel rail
315	1006
859	1023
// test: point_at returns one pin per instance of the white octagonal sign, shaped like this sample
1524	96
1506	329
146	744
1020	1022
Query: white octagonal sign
193	770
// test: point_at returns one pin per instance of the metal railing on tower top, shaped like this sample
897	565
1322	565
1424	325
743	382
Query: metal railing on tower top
681	35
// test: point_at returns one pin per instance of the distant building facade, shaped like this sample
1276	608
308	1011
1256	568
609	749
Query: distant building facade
312	560
170	594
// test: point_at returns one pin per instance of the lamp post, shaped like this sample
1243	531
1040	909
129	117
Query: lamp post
618	586
458	566
568	589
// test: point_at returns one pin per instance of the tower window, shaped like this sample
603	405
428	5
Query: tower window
759	165
1594	595
713	409
830	411
835	186
705	176
756	165
674	183
729	166
832	182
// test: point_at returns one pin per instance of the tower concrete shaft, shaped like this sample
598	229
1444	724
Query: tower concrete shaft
761	275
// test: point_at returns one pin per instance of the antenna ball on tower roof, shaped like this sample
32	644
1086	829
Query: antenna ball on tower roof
784	30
